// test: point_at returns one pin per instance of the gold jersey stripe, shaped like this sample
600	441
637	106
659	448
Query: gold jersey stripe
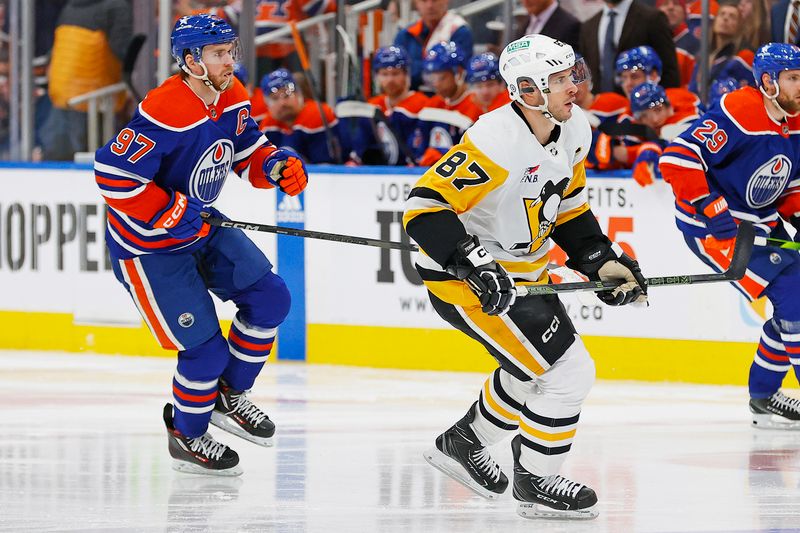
521	267
566	216
412	213
487	395
578	179
550	437
496	328
467	196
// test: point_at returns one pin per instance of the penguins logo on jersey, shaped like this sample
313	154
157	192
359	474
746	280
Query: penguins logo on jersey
210	172
768	182
543	210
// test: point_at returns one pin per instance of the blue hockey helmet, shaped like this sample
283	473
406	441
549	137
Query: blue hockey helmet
483	67
640	58
277	80
772	58
390	57
647	95
444	56
720	87
191	33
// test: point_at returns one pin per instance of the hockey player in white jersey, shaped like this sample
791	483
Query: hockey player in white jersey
484	216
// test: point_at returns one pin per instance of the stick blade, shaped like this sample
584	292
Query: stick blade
742	250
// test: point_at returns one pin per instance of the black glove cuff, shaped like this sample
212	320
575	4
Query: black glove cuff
459	264
590	259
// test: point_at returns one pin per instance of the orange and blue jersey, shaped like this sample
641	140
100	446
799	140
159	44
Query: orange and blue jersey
258	107
403	121
443	122
499	101
414	40
274	14
174	142
738	151
687	46
606	108
738	66
694	18
308	136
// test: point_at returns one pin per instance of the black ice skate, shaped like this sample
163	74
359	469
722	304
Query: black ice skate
550	496
200	455
460	455
236	414
776	412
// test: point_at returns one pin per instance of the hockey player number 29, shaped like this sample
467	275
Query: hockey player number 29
447	168
710	134
123	142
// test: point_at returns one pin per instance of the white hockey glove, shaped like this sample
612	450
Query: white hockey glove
609	263
489	281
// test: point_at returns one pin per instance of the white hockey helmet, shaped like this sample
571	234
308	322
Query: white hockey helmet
534	58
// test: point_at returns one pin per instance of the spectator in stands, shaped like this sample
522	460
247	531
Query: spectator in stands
695	17
548	18
614	147
390	134
638	65
621	25
720	88
90	42
295	122
728	57
755	23
651	107
687	46
436	24
487	86
451	110
783	30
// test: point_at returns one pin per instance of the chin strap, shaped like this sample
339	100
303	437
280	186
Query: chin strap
774	100
204	78
542	109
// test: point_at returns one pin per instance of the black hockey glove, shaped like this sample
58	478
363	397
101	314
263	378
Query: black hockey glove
602	262
488	280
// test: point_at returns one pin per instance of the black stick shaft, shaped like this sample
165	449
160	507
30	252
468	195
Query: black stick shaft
337	237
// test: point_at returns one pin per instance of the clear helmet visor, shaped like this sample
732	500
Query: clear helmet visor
563	80
222	54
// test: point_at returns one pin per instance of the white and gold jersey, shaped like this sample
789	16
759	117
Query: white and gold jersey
508	189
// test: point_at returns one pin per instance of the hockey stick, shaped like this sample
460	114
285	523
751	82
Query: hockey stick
742	249
280	230
333	146
778	243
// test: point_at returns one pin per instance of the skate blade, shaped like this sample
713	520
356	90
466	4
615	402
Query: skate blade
769	421
191	468
226	424
451	468
539	511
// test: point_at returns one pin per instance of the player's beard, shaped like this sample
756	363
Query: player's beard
790	105
221	82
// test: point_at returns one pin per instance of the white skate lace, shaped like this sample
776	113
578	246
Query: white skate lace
560	486
247	409
785	402
485	462
206	445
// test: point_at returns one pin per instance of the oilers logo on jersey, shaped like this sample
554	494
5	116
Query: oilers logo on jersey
211	170
768	182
